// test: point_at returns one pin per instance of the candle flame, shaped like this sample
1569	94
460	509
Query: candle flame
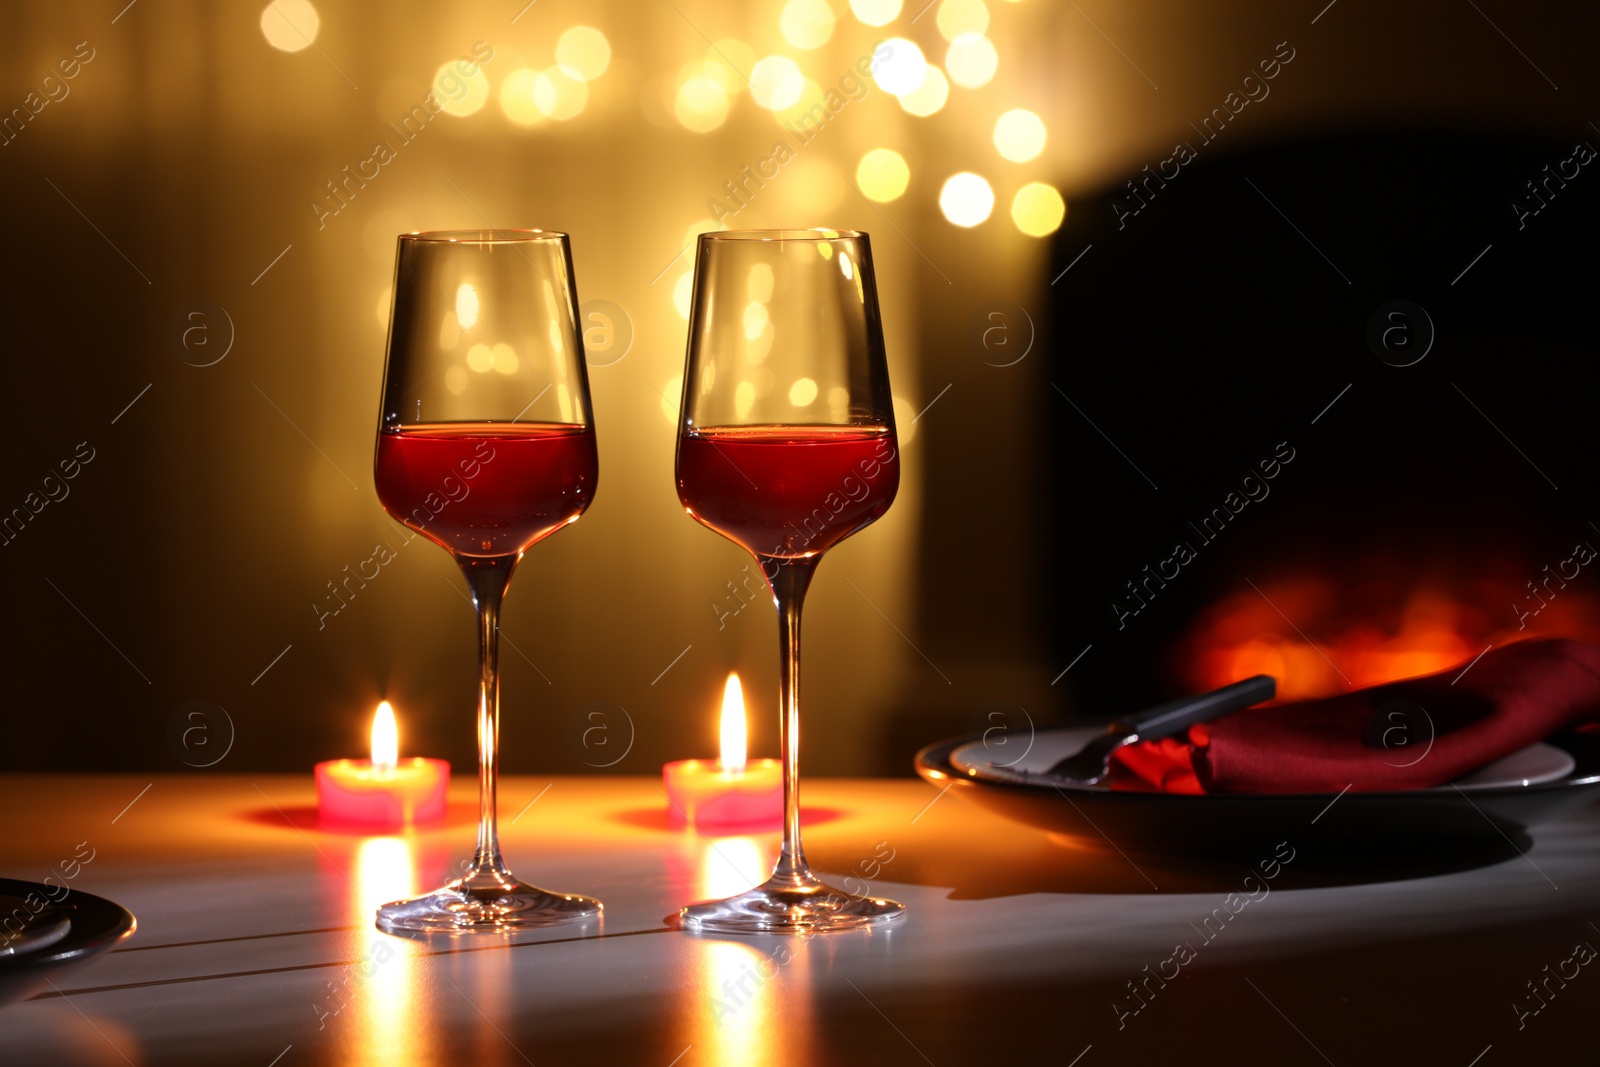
385	739
733	726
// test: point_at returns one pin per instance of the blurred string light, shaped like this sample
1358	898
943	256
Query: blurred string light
516	97
701	104
903	67
776	82
1038	209
876	12
671	394
290	25
966	199
583	53
957	17
466	306
882	175
1019	135
971	60
730	62
804	107
756	318
505	358
561	91
691	236
905	420
559	95
928	97
682	292
459	93
806	24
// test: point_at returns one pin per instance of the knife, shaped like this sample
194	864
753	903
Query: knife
1091	764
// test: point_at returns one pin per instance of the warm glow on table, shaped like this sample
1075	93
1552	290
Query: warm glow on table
731	792
384	792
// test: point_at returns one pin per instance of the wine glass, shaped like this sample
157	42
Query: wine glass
787	447
485	446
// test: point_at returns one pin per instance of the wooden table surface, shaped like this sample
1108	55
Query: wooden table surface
256	945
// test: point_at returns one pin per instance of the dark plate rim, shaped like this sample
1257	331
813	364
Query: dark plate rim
97	924
933	765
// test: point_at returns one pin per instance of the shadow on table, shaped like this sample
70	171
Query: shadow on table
976	868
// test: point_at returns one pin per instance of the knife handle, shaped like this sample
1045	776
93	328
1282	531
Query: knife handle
1170	718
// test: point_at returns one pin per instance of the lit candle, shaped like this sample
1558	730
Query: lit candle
732	792
385	792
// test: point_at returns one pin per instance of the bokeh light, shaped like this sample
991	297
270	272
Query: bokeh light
882	175
905	421
691	236
971	60
808	112
806	24
701	105
966	199
671	396
480	357
682	292
559	95
902	69
776	82
802	392
459	92
583	53
876	12
290	25
1019	135
957	17
928	97
756	318
516	97
1038	209
730	62
504	358
466	305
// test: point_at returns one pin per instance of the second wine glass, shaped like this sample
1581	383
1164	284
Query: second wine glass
786	447
485	446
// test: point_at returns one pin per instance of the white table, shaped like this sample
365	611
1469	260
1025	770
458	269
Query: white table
1014	944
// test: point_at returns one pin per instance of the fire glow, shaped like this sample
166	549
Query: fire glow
1320	637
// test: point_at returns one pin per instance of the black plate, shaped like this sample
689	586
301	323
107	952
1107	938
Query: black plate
1229	823
97	925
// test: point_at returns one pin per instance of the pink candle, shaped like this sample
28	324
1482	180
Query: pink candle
730	793
385	792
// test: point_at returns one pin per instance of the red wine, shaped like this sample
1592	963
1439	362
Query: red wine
486	488
787	491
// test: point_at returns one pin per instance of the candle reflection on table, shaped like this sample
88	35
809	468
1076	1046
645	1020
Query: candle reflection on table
744	986
386	976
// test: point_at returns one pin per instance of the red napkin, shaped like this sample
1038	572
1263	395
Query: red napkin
1410	734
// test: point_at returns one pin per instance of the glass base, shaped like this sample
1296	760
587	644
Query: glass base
782	906
485	905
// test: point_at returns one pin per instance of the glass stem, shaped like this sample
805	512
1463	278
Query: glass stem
789	579
488	577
